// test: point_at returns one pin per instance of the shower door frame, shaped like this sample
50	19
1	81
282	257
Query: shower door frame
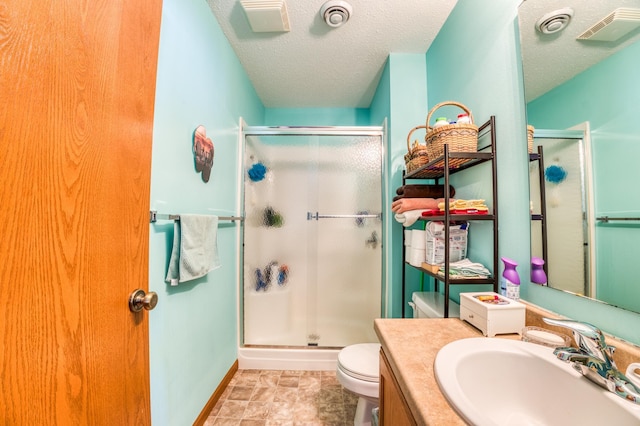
246	131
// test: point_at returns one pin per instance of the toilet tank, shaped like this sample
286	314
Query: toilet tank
429	304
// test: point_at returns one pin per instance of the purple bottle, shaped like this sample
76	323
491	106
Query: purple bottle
537	271
510	282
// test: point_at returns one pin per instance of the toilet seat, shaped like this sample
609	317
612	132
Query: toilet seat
361	361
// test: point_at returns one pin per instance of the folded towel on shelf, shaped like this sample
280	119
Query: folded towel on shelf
195	248
423	191
465	268
466	206
406	204
409	217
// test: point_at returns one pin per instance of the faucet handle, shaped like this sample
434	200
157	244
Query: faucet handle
581	331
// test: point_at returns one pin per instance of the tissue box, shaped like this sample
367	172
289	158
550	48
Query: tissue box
492	313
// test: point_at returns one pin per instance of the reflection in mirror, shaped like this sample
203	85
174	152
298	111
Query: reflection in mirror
562	221
591	250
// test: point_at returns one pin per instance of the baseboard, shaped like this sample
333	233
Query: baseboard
202	418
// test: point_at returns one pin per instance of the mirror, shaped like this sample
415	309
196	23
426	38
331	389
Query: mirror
582	98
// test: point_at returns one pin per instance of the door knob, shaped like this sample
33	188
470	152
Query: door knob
139	300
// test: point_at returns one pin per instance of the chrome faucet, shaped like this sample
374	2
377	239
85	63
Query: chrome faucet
594	359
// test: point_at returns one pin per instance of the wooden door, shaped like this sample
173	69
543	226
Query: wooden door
77	84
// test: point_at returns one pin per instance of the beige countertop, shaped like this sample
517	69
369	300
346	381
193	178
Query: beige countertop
411	346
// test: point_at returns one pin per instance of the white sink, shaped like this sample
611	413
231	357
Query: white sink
493	381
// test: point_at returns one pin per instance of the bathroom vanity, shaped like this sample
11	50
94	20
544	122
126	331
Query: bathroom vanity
409	392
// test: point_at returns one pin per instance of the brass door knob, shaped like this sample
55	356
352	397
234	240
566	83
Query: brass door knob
139	300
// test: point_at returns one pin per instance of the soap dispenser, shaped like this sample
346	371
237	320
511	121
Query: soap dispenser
510	283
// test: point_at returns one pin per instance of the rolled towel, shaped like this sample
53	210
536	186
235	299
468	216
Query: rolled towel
406	204
424	191
409	217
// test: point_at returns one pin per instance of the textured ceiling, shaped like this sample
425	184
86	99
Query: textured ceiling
315	65
551	59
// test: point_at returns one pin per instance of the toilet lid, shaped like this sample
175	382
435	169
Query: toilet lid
361	361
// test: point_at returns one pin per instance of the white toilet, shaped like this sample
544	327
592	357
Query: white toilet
430	304
359	365
359	371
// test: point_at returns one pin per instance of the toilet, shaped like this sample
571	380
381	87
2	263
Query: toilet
430	304
359	365
359	372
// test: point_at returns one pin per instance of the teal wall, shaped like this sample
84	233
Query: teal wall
408	108
607	96
478	65
193	330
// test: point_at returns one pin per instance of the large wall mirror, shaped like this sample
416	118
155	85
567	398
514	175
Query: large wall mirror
581	62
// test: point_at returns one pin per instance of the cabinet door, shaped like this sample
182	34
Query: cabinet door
394	410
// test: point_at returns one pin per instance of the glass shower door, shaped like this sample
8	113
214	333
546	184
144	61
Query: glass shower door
313	255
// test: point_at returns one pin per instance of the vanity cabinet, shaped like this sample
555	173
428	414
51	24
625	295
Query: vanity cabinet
440	169
394	410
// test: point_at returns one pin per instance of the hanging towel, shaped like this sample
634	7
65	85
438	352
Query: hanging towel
409	217
195	248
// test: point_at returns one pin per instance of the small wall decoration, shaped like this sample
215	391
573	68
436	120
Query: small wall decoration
203	152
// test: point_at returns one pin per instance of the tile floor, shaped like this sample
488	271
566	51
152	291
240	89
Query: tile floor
284	398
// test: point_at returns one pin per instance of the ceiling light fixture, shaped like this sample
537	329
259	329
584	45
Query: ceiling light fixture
555	21
335	12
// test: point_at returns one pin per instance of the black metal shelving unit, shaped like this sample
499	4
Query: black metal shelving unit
440	170
542	216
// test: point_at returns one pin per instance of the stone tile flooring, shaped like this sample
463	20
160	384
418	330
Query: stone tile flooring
284	398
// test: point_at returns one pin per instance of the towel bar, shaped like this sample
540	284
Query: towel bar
607	218
311	216
155	216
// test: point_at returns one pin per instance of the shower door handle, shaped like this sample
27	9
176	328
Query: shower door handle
316	216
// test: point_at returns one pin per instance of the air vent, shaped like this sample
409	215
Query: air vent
336	13
613	26
555	21
266	16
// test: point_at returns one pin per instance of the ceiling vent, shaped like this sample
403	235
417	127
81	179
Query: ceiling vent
613	26
336	13
555	21
266	16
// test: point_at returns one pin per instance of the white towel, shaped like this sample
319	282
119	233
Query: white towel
195	248
409	217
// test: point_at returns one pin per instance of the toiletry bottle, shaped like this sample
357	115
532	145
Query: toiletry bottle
464	119
538	275
510	279
441	121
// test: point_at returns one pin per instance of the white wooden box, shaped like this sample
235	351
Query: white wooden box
492	313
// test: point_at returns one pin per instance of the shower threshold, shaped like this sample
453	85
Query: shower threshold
305	358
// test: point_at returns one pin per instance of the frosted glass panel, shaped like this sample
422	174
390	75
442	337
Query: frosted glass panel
311	279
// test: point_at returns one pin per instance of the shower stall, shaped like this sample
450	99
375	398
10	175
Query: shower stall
312	259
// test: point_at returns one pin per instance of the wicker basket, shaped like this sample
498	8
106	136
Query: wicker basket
459	137
416	155
530	130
